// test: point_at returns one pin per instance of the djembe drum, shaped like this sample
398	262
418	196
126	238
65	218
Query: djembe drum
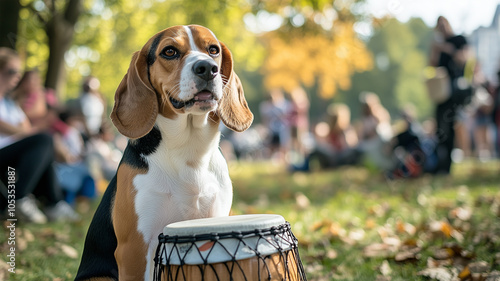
245	247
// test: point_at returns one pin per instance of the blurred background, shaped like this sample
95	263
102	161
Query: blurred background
333	49
344	117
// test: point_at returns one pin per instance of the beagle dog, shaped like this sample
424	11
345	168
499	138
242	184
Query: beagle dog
178	88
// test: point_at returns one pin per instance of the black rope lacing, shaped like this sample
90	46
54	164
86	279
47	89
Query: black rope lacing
288	267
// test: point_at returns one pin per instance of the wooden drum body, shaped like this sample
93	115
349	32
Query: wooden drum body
246	247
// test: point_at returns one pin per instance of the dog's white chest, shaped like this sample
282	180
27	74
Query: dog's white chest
163	198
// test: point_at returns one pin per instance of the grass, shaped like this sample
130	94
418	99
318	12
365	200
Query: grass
337	215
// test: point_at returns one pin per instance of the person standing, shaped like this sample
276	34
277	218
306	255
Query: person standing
451	52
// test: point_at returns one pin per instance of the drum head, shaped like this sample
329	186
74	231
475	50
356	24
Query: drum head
224	239
223	224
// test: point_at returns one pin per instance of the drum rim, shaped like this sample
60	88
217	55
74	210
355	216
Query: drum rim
245	222
214	236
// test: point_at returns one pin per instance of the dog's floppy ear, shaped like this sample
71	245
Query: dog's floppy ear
136	106
233	108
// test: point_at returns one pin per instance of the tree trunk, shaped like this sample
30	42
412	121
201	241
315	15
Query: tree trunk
60	30
9	13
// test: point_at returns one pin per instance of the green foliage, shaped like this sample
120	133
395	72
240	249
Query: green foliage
110	31
400	51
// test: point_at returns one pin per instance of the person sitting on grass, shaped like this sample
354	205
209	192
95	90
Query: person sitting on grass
29	152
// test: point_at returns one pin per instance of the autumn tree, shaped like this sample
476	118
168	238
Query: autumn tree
56	20
315	45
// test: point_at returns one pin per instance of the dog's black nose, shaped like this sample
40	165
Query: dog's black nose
206	69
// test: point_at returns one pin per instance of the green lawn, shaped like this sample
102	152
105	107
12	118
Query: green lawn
352	224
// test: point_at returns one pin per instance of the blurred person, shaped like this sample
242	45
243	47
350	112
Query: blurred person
299	119
42	109
408	151
451	52
337	140
30	95
92	106
71	169
375	119
496	114
88	116
342	135
374	132
20	145
275	113
483	123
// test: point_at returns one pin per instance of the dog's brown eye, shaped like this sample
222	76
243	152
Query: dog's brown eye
213	50
170	52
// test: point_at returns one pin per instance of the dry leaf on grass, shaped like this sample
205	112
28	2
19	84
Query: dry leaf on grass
4	270
404	227
302	201
478	270
69	251
493	276
21	243
379	250
28	235
385	268
441	227
461	213
50	251
407	254
432	263
440	273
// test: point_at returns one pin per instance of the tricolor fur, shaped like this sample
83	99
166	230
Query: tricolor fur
176	91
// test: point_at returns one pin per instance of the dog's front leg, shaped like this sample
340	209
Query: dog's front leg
131	259
131	250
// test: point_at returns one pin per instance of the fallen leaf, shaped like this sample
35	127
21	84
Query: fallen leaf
331	254
432	263
446	229
440	273
370	223
479	267
379	250
21	243
4	270
28	235
302	201
461	213
50	251
357	234
443	253
392	241
335	230
385	268
404	227
408	254
493	276
69	251
465	273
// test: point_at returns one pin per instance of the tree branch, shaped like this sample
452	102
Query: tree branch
73	11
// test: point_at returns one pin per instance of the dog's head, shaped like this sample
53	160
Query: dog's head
180	70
